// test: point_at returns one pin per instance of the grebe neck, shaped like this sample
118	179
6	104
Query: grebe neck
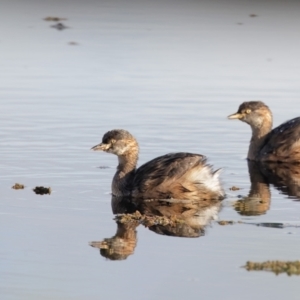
259	134
122	181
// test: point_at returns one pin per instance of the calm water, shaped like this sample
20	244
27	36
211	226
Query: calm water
169	72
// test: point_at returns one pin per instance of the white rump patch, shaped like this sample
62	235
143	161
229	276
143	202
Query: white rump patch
209	179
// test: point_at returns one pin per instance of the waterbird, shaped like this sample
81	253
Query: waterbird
282	144
179	175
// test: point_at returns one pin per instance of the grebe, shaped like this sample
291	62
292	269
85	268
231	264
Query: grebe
282	144
171	176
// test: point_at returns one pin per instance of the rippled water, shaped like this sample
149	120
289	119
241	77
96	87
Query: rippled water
169	72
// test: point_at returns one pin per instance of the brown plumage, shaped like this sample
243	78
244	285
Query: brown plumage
171	176
282	144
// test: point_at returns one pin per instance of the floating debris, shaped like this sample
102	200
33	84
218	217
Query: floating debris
41	190
275	266
54	19
253	15
103	167
271	225
75	44
18	186
230	222
234	188
147	221
59	26
262	224
223	222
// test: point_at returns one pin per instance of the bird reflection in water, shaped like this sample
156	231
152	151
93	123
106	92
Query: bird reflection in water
181	218
122	244
284	177
258	200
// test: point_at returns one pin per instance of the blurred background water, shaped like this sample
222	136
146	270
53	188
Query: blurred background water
169	72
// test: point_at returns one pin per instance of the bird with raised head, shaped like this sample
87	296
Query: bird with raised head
282	144
172	176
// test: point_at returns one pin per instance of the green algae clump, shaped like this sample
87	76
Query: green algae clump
18	186
146	220
275	266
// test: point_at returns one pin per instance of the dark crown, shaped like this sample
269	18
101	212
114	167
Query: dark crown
116	134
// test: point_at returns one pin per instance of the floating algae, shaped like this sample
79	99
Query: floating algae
262	224
41	190
147	220
54	19
59	26
234	188
18	186
275	266
229	222
224	222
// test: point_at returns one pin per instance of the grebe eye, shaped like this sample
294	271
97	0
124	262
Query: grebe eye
248	111
112	141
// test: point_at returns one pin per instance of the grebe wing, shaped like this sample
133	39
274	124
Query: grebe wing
165	171
283	143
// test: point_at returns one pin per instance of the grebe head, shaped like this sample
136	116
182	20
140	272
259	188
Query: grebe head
118	141
254	113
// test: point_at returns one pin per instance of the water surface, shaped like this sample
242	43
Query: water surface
169	72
